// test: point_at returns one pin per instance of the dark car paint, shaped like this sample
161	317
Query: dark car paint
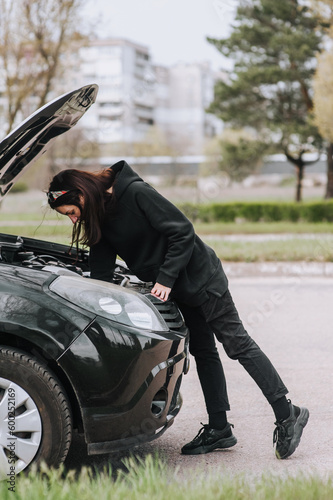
28	310
114	371
123	407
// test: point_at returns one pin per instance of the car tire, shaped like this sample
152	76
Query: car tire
35	414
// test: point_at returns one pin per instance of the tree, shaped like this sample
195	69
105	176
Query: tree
273	45
323	93
33	37
323	110
241	153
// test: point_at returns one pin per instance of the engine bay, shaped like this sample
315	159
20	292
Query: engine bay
59	259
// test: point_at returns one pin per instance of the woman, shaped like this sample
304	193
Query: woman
115	212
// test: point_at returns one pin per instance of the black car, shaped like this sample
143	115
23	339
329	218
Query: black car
76	353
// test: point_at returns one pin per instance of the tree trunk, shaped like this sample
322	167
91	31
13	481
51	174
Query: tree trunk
329	185
299	165
299	179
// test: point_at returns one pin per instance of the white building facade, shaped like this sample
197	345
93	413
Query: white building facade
183	93
135	95
124	110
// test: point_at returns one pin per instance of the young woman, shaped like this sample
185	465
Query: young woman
115	212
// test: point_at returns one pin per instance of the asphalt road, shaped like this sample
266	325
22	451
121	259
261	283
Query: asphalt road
291	318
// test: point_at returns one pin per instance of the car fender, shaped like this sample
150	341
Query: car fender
51	329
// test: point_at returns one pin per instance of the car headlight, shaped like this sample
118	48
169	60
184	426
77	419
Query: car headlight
110	301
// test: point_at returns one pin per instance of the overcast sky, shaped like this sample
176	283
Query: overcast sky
174	30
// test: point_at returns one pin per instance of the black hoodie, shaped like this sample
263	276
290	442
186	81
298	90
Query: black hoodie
157	242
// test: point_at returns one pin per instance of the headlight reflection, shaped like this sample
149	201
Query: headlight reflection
110	301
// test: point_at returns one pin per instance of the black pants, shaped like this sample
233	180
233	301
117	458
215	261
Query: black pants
218	315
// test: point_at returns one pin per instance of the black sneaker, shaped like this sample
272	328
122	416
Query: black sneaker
209	439
287	433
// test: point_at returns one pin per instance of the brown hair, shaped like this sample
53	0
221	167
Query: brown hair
92	186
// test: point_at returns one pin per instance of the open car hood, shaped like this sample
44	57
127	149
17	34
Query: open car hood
34	135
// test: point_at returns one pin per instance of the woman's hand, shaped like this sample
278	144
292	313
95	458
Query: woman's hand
161	292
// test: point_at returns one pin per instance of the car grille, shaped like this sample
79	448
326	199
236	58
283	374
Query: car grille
169	312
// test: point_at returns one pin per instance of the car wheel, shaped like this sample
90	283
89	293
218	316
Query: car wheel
35	415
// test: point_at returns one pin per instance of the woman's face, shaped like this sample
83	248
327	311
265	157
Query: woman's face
72	211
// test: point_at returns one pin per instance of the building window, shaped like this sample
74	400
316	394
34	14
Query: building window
142	55
146	121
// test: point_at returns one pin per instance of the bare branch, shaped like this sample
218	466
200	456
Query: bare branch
31	53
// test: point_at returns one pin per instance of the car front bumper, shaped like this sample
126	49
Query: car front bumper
134	441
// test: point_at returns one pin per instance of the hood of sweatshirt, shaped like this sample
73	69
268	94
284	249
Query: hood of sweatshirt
125	176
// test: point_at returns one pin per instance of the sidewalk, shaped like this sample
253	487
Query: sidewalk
278	269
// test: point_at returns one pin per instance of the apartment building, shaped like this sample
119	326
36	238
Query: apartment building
124	110
136	95
183	93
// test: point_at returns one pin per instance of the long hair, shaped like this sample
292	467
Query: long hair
91	187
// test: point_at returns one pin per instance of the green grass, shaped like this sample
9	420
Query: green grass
50	226
262	227
57	233
152	479
51	215
291	250
295	249
35	222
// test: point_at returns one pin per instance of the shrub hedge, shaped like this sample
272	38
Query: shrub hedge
320	211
